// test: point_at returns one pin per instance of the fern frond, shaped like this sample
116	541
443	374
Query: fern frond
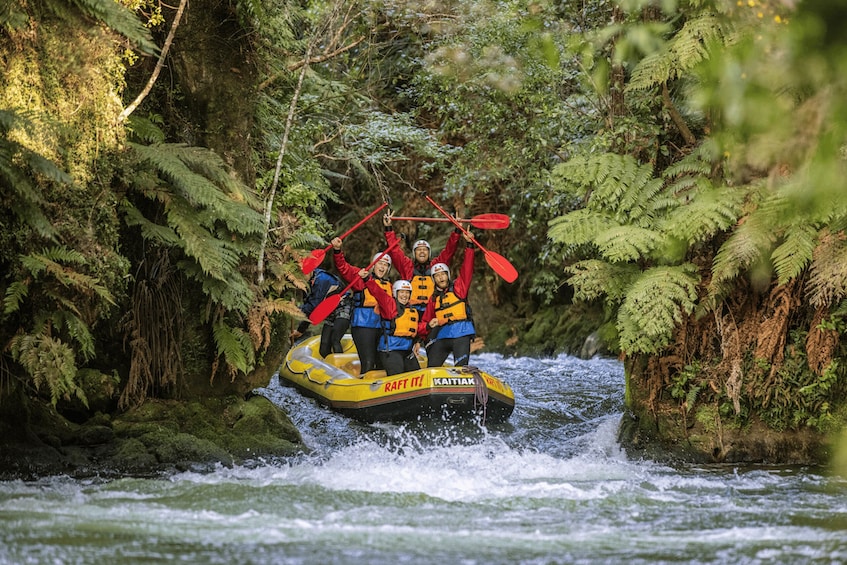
48	362
16	292
49	261
614	183
628	243
304	240
828	272
20	171
235	346
711	212
150	231
655	303
232	291
212	254
795	252
77	330
145	130
593	279
685	50
193	187
751	240
120	19
579	227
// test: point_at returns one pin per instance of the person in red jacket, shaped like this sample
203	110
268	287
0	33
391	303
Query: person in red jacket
399	325
447	319
417	269
365	323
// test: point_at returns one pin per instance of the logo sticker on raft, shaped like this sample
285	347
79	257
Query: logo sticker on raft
417	381
452	381
403	384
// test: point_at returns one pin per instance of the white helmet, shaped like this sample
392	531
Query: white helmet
384	257
440	268
422	243
401	285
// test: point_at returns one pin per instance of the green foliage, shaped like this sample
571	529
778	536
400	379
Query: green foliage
793	396
681	53
205	214
654	305
686	386
20	171
234	345
185	202
50	363
628	219
116	17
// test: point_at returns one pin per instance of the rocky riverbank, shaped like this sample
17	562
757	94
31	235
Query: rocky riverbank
158	436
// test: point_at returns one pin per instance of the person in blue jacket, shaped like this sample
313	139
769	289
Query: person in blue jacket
323	284
399	325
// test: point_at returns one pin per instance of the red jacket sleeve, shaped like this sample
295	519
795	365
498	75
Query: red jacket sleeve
449	250
405	267
429	314
387	305
347	271
463	282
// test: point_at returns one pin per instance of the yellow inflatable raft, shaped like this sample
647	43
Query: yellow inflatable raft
440	392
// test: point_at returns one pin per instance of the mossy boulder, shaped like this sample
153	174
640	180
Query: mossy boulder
158	435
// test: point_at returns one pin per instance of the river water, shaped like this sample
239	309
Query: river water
550	486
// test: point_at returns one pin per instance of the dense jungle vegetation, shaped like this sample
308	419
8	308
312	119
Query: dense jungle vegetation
674	172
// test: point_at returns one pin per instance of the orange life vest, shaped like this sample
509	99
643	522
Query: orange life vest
450	308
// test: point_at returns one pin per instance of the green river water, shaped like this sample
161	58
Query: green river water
550	486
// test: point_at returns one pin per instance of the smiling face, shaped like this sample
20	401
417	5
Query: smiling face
422	254
403	296
381	269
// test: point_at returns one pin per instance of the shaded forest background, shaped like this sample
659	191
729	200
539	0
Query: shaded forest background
674	172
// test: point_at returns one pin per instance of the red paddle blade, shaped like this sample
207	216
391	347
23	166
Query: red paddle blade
311	262
324	309
490	221
501	266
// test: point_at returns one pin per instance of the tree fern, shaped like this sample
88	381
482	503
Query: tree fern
712	211
579	227
655	303
628	243
208	216
593	279
795	252
680	54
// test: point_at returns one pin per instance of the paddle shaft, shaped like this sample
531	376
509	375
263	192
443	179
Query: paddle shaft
316	257
481	221
500	264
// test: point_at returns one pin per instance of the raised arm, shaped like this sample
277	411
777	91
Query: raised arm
347	271
463	281
405	266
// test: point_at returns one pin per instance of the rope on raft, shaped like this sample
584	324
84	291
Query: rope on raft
480	393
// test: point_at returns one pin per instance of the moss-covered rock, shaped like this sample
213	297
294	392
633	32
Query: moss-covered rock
159	435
